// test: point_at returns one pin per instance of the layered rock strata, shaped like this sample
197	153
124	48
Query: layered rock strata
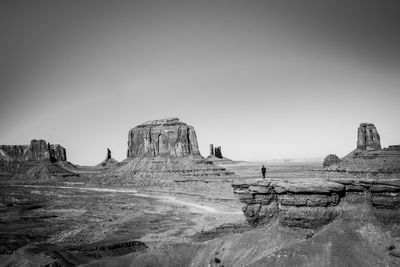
216	155
38	150
165	138
368	157
368	137
312	203
164	148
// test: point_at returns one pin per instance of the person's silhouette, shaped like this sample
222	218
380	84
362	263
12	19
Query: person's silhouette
263	171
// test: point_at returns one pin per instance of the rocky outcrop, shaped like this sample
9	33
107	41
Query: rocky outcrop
165	138
38	162
57	153
368	137
164	148
311	203
368	158
330	160
218	152
109	161
38	150
215	152
216	155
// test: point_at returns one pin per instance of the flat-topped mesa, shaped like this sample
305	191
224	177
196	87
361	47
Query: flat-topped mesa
368	137
162	138
38	150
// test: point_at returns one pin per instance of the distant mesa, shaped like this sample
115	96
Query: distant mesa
38	150
369	157
163	148
330	160
39	160
165	138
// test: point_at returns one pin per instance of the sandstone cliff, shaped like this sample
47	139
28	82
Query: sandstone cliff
38	150
368	137
39	161
165	138
165	148
310	203
369	157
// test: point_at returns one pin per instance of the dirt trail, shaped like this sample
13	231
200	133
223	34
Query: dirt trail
194	207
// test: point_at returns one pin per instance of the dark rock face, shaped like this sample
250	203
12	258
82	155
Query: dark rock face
57	153
211	150
165	138
368	137
312	203
218	152
38	150
330	160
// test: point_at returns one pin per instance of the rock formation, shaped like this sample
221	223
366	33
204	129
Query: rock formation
311	203
216	155
165	138
38	162
38	150
368	137
57	153
368	157
164	148
330	160
109	161
218	152
215	152
108	153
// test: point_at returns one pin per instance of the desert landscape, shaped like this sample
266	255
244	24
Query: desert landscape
199	133
167	205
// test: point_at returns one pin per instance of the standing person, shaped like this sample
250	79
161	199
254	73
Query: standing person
263	171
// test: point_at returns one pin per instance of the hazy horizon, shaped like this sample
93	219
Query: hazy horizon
262	79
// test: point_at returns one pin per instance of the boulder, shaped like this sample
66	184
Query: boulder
164	138
331	159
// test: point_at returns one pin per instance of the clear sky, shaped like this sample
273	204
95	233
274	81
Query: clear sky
263	79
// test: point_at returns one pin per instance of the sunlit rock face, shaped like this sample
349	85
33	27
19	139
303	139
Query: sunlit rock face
368	137
164	138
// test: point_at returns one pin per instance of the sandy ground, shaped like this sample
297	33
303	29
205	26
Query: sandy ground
168	211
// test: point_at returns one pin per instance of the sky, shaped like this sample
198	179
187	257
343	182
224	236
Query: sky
262	79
